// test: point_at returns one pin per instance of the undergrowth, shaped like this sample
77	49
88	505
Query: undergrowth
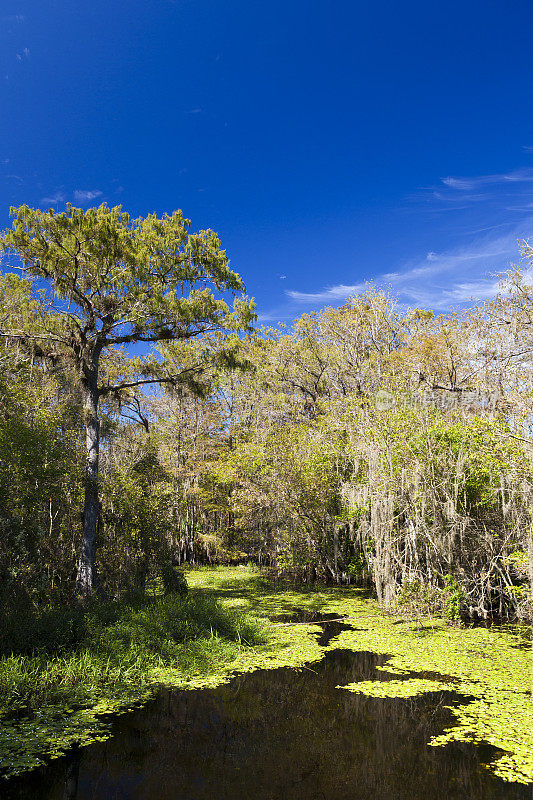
73	657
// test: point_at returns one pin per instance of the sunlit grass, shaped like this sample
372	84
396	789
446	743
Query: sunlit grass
110	647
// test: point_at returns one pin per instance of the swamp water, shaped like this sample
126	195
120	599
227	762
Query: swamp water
280	734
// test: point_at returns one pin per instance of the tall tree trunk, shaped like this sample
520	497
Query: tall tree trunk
86	577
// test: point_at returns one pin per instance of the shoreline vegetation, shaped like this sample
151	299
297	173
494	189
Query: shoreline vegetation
113	657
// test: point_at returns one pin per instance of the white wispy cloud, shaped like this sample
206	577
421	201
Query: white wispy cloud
57	197
494	212
18	18
438	280
264	317
477	290
86	195
327	295
82	196
521	175
24	54
503	198
457	183
461	274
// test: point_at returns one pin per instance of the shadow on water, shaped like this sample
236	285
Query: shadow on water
282	734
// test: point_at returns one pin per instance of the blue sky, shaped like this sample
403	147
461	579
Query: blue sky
328	144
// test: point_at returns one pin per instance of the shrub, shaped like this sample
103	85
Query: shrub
454	598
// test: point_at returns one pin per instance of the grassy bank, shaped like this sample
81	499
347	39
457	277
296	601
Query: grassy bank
116	655
62	671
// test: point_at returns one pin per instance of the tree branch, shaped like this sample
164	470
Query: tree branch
146	381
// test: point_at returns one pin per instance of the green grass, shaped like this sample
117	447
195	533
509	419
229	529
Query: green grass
61	670
71	658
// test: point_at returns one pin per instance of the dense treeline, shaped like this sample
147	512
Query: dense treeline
368	444
389	448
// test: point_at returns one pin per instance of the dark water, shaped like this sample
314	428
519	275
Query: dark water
278	735
329	630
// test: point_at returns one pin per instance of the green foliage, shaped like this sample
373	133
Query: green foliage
124	271
29	631
454	599
40	483
173	580
161	628
519	561
357	565
417	599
